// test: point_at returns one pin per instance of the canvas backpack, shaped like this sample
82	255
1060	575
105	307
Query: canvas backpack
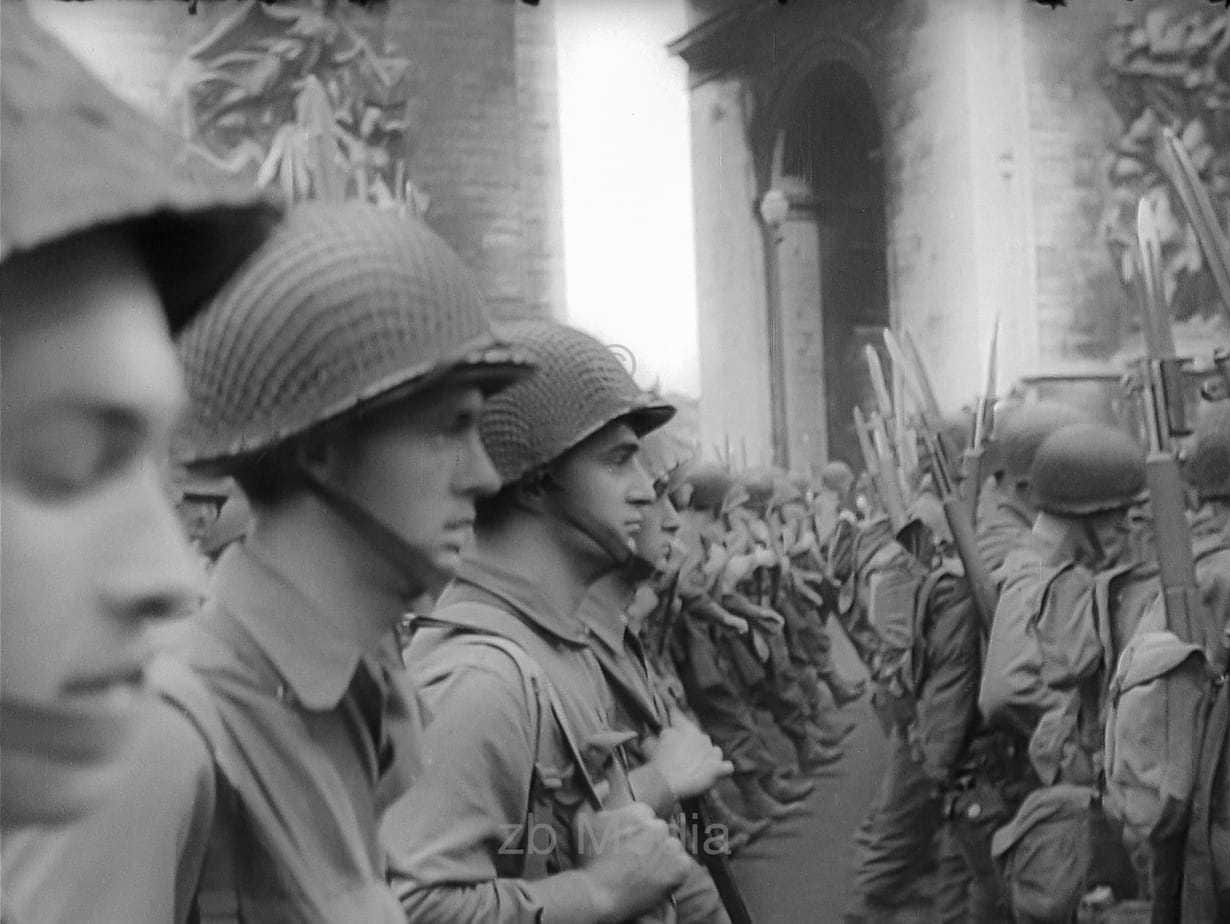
1012	692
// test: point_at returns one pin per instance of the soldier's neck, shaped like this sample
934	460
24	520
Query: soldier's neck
531	546
325	561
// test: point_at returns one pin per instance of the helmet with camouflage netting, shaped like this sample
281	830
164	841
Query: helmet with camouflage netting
1087	468
345	307
579	388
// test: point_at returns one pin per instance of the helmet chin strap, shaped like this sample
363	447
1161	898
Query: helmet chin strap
620	550
404	558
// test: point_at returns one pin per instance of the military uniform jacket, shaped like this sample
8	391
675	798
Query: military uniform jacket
501	781
264	810
947	672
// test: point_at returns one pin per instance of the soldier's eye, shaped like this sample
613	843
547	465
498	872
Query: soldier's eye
71	451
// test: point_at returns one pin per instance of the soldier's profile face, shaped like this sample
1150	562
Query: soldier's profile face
421	464
603	477
91	549
1114	533
661	522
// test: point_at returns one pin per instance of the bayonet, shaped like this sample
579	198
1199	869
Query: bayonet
893	438
972	474
1200	212
881	470
955	512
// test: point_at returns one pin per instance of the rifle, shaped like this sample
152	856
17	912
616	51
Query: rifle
977	576
972	474
890	464
877	468
1181	859
1161	396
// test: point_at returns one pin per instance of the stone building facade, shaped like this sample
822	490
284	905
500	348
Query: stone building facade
485	146
930	164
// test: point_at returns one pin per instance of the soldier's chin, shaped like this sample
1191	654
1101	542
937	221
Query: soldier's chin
58	767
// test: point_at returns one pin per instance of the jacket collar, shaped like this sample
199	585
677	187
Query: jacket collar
314	650
603	608
510	590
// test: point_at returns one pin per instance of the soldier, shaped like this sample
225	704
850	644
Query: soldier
634	683
105	246
1010	512
1086	480
924	617
338	378
749	587
717	667
502	823
1013	697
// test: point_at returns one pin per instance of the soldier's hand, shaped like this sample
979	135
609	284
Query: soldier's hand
689	761
630	860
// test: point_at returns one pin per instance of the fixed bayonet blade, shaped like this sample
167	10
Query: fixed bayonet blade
876	371
1156	318
1200	212
910	376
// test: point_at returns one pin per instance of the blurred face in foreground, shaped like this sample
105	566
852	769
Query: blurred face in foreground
92	550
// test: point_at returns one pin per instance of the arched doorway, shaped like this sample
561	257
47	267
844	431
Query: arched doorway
829	162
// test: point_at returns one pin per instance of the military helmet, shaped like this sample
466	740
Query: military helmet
837	477
76	158
579	388
760	486
1087	468
1207	467
345	307
665	454
1023	428
711	483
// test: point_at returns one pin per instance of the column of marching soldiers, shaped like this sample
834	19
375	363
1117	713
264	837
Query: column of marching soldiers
606	626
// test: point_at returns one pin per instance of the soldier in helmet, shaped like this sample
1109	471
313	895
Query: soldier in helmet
1019	431
108	243
716	665
523	732
338	378
1086	481
613	614
916	617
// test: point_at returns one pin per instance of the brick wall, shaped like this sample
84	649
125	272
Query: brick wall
489	140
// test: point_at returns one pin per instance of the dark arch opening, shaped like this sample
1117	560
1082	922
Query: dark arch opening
832	141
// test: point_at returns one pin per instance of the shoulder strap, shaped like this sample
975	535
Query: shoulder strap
538	678
921	603
216	897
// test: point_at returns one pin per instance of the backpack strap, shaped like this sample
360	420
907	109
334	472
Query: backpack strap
921	604
512	640
216	897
